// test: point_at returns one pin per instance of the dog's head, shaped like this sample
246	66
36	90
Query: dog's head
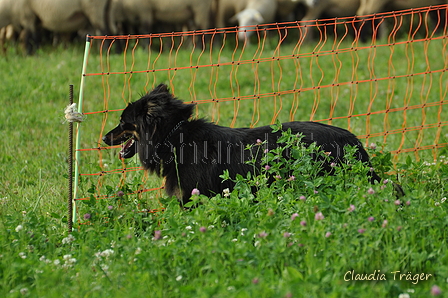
148	119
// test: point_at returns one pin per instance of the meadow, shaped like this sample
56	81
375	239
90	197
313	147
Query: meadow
337	236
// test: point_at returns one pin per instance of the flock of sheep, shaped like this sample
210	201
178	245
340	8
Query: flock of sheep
116	17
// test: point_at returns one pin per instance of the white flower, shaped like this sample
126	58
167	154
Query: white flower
22	255
70	238
226	192
443	199
138	251
107	253
69	260
19	228
188	227
179	278
56	262
404	295
44	259
24	291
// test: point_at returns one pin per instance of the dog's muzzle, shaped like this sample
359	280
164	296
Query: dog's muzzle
126	139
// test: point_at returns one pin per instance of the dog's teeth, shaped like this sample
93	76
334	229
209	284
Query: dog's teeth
126	145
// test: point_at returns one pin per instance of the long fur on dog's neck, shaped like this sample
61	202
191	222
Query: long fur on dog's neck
158	115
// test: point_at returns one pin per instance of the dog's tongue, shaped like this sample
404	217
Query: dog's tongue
128	149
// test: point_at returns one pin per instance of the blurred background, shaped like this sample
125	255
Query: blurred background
32	23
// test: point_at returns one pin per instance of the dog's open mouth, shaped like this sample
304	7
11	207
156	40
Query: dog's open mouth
128	148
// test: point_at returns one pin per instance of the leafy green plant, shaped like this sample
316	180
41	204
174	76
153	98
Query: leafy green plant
271	243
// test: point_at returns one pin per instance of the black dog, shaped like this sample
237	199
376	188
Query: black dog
193	153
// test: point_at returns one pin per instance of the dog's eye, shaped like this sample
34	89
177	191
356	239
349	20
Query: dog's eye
127	126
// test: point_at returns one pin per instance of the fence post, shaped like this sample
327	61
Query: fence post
70	168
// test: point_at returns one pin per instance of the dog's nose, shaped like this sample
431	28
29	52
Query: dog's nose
106	140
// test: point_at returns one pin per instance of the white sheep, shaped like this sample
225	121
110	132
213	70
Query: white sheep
54	15
369	7
19	14
256	12
16	13
70	15
374	6
286	10
143	14
331	8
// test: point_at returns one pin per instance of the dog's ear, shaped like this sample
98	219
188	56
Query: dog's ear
162	88
136	108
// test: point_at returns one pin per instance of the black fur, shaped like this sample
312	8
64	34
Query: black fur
192	153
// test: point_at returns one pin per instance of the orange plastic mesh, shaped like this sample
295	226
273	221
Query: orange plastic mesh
381	76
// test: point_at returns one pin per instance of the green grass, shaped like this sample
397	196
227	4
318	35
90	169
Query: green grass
227	247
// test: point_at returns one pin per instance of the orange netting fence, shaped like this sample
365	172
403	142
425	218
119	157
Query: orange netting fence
382	76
